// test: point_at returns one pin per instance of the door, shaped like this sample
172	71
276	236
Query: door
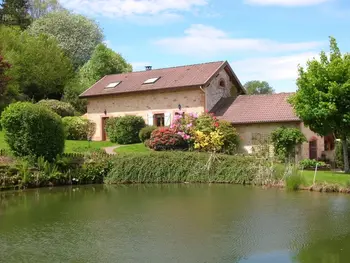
104	133
313	149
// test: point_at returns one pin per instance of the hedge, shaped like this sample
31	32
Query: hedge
63	109
78	128
125	130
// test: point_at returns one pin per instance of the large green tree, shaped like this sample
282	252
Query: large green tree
258	87
322	100
15	13
4	79
39	8
75	34
104	61
40	68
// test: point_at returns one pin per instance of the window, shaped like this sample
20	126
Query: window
158	120
151	81
222	83
112	85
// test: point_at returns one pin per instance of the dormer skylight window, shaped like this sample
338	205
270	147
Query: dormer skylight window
112	85
151	81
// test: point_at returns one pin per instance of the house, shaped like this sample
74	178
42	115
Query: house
256	116
157	95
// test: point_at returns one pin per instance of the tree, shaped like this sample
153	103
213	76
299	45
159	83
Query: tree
40	68
285	140
75	34
322	100
4	79
15	13
39	8
258	87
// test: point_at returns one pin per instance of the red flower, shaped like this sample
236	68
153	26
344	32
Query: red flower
216	124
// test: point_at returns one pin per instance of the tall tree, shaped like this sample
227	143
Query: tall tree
39	8
15	13
4	79
75	34
104	61
40	68
258	87
322	100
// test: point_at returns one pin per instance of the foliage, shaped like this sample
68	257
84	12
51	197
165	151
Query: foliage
72	90
39	67
210	141
84	34
230	137
15	13
294	181
285	140
33	130
145	133
4	79
258	87
308	163
63	109
78	128
125	130
323	95
39	8
180	167
104	61
165	138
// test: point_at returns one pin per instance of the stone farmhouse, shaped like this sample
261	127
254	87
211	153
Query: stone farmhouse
159	94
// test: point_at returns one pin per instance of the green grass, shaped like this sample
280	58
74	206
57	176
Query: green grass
326	177
139	147
70	146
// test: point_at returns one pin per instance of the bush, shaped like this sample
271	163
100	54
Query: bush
78	128
294	181
125	130
311	164
163	139
33	130
63	109
179	167
145	133
231	137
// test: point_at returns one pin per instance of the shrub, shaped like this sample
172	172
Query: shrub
125	130
308	164
33	130
145	133
63	109
78	128
179	167
166	139
230	137
294	181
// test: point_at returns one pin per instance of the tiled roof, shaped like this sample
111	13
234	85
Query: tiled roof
182	76
257	109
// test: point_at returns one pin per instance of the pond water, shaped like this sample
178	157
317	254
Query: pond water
173	223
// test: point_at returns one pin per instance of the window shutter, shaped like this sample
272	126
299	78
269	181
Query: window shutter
150	119
167	119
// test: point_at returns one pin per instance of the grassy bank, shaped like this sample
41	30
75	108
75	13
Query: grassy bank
328	177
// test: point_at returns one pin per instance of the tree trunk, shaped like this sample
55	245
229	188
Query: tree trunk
345	154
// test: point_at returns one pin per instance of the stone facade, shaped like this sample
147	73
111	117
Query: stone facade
147	104
251	133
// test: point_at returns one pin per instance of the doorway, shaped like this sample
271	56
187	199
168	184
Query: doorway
104	132
313	150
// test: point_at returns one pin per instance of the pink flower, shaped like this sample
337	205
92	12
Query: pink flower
189	125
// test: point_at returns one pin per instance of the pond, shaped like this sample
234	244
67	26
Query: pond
173	223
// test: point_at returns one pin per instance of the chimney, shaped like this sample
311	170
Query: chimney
148	68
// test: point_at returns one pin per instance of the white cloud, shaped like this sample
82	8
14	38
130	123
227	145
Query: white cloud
131	8
286	2
138	66
271	68
205	41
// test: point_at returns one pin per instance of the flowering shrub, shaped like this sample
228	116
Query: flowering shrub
209	141
166	139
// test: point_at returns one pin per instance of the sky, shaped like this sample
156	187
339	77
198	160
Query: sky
261	39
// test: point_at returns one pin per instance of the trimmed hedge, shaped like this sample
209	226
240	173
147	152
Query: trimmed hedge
63	109
78	128
125	130
145	133
33	130
180	167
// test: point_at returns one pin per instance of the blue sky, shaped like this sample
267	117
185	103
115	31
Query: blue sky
261	39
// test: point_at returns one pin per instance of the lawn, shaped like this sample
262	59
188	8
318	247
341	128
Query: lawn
328	177
139	147
71	146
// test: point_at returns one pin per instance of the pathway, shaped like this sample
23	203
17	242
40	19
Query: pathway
110	150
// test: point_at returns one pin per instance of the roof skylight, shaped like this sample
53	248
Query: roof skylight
151	81
112	85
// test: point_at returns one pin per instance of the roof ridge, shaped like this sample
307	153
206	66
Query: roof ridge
189	65
261	95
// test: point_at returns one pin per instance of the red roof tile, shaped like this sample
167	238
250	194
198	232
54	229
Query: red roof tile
258	109
182	76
